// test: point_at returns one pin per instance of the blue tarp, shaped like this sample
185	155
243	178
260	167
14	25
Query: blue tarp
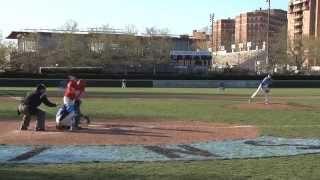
262	147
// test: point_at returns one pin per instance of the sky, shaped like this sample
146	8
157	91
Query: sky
179	16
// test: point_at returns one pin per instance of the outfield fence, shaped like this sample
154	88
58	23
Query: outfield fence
21	82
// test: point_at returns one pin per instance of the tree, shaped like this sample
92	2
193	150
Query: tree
26	58
158	46
73	47
295	52
69	42
311	49
278	50
131	29
304	51
128	51
3	51
3	54
71	26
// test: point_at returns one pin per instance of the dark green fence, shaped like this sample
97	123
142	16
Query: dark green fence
62	82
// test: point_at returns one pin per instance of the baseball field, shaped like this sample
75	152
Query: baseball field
156	117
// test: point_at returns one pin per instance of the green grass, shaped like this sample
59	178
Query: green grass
194	105
293	168
173	91
208	105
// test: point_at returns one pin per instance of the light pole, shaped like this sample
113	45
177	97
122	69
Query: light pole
268	35
212	23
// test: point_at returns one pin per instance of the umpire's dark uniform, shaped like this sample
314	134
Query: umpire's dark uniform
29	107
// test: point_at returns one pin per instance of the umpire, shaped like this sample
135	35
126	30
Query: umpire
29	107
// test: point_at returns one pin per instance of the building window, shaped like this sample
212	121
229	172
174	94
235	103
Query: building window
96	46
28	45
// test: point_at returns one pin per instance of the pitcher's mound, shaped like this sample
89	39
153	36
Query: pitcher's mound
122	132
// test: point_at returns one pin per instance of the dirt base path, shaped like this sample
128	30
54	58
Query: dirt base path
121	132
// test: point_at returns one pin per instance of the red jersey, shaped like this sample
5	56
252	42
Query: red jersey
80	89
71	89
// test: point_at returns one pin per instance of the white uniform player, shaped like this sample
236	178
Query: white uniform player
123	84
264	88
65	117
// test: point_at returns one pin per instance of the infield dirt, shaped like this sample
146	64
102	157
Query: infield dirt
125	132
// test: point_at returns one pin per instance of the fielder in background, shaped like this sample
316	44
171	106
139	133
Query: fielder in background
29	107
221	86
123	83
264	87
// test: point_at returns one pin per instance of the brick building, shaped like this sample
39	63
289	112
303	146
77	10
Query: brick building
253	27
303	20
199	35
223	34
201	40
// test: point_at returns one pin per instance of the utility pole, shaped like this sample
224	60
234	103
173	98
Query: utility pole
268	35
212	23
